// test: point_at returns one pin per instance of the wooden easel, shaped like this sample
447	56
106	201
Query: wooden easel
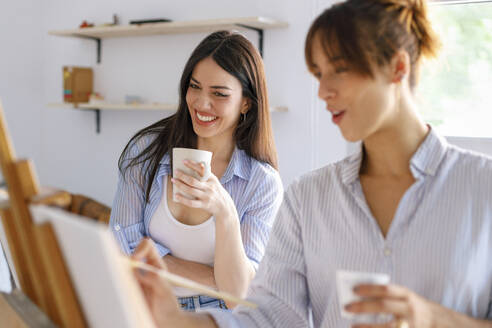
41	270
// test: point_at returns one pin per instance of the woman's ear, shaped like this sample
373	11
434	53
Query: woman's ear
246	104
399	66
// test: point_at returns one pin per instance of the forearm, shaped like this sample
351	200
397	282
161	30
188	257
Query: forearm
232	268
479	324
190	320
458	320
447	318
198	272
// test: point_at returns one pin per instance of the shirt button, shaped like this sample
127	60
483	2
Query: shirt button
387	251
117	227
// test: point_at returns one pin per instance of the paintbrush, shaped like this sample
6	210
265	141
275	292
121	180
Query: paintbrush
190	284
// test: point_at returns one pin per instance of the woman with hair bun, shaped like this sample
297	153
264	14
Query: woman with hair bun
407	204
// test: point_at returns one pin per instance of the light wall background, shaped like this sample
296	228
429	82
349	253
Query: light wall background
63	143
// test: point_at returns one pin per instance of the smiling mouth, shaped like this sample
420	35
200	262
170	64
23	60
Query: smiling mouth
205	118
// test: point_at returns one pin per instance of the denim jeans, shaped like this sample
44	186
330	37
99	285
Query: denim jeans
195	303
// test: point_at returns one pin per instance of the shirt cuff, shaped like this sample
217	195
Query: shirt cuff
254	264
120	238
223	318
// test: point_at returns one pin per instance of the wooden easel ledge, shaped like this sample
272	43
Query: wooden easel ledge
47	196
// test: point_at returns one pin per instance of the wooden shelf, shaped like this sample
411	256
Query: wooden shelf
209	25
113	106
153	106
257	24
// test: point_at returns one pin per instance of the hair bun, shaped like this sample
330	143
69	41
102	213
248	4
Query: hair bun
413	16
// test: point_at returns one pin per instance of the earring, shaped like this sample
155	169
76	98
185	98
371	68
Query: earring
244	116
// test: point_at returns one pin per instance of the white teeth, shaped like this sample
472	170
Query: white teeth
205	118
336	113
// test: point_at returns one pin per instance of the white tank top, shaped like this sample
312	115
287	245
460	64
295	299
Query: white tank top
188	242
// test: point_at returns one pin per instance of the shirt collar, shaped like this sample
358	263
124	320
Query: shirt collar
425	161
166	159
351	166
164	167
238	165
429	155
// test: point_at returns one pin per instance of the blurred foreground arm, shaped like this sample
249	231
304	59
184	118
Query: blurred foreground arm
159	295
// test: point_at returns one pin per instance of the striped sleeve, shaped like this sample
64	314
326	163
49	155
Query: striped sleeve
127	215
280	287
257	221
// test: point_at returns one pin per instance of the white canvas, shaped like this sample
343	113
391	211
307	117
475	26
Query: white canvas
103	280
6	260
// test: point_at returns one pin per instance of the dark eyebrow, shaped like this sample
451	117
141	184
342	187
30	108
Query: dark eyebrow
213	86
220	87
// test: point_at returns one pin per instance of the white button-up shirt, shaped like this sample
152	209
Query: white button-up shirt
439	243
254	186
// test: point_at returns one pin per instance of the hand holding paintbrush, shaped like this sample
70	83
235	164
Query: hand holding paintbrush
146	251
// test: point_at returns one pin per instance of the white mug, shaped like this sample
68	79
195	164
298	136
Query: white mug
346	281
196	155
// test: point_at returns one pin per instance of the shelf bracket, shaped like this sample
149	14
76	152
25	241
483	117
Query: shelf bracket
98	42
98	46
98	120
97	111
260	36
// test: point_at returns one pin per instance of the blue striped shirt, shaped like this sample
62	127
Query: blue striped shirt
439	243
254	186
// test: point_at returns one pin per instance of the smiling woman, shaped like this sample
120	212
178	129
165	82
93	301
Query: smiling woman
212	94
223	109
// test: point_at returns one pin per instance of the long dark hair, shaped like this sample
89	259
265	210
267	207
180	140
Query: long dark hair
237	56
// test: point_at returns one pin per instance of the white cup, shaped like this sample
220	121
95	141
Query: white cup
196	155
346	282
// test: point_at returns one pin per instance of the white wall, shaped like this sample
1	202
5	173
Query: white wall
20	87
21	74
482	145
63	143
74	157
